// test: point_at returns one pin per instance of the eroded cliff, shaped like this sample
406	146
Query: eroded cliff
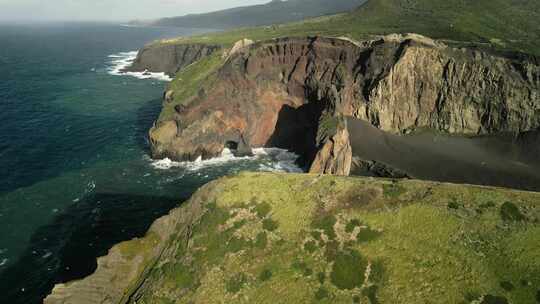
285	92
169	58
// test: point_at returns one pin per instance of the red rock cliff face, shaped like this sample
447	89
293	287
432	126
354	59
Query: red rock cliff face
282	92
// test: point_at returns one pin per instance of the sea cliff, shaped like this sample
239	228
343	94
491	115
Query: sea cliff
169	58
294	93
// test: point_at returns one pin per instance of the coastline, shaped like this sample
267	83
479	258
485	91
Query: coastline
139	270
227	97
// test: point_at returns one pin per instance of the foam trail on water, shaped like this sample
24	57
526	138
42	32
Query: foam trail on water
120	61
226	157
3	261
280	160
273	160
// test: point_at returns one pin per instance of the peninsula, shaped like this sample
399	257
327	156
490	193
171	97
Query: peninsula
377	102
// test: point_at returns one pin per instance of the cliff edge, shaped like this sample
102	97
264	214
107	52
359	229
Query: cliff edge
169	58
294	93
327	239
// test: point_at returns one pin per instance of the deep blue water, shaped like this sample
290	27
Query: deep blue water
75	177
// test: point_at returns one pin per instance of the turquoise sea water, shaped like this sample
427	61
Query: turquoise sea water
75	176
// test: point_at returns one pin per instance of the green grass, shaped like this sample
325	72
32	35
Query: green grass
189	82
269	224
326	223
182	275
262	240
236	282
352	224
265	275
348	270
408	245
393	190
500	24
510	212
321	294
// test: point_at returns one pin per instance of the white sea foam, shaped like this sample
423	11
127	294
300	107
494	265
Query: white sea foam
226	157
274	160
90	187
280	160
120	61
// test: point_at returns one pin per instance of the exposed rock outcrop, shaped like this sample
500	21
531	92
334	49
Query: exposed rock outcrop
335	152
377	169
239	45
335	156
274	93
169	58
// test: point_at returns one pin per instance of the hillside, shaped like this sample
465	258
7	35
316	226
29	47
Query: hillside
276	11
313	239
499	24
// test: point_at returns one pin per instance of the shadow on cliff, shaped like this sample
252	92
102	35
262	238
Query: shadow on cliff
296	131
68	247
146	115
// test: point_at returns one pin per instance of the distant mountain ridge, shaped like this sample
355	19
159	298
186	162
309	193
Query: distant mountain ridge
276	11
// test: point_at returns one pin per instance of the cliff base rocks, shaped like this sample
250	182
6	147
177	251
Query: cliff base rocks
286	92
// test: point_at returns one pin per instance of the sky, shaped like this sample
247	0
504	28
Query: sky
109	10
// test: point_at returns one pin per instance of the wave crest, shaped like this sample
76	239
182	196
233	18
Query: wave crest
120	61
272	160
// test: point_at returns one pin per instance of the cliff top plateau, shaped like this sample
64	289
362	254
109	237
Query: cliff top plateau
284	238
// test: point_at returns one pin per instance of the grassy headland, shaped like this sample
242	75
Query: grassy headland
312	239
501	24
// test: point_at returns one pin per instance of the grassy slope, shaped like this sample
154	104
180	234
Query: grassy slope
309	239
507	24
189	81
263	14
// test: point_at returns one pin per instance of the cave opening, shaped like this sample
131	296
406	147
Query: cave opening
231	145
296	130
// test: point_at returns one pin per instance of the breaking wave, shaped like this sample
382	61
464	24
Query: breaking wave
120	61
270	160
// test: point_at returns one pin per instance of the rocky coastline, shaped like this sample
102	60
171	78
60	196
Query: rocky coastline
294	93
169	58
301	94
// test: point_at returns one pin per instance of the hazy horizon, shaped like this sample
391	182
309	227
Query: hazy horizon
109	10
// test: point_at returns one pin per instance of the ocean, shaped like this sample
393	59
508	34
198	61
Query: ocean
75	175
